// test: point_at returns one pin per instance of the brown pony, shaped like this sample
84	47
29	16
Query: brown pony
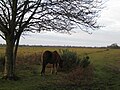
51	58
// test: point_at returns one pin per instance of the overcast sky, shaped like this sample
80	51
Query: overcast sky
110	18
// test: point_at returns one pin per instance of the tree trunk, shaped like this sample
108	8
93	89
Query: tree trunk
15	52
9	61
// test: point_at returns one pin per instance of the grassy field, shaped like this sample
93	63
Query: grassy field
106	64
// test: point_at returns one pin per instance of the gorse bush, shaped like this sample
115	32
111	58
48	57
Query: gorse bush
72	59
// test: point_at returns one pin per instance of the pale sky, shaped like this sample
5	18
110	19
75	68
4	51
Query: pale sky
110	18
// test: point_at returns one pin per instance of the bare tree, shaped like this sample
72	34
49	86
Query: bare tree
20	16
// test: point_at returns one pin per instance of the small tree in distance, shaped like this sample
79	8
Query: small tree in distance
20	16
114	45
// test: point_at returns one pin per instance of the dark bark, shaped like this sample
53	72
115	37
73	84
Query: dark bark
9	68
15	52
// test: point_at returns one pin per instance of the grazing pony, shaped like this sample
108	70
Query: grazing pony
51	58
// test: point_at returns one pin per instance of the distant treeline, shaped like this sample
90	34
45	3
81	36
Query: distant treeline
2	45
114	46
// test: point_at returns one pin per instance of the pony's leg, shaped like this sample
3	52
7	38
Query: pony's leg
43	69
53	69
56	68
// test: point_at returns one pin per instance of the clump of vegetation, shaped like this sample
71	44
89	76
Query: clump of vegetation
29	59
80	69
81	76
72	59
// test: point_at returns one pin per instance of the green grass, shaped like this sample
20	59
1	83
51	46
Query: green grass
106	71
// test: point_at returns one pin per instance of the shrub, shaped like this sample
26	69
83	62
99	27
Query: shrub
70	59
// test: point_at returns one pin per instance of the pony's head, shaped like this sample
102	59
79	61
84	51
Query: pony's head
58	58
61	63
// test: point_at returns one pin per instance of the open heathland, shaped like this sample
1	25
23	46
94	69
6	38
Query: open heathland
103	73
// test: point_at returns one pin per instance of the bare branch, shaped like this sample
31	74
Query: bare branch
2	37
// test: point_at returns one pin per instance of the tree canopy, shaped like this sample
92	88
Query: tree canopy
18	16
